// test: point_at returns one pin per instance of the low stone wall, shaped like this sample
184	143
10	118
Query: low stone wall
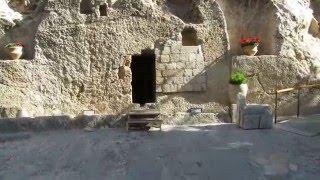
45	123
268	73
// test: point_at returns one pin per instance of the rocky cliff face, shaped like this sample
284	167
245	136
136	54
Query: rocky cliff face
296	61
78	53
81	54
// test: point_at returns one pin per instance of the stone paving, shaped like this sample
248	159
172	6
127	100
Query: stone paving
220	151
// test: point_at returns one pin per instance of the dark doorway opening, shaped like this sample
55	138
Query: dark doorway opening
143	78
189	37
103	10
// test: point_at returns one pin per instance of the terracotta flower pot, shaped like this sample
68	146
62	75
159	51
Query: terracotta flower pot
234	90
250	50
15	52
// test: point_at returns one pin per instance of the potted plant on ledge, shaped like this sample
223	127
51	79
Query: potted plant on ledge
238	84
14	50
250	45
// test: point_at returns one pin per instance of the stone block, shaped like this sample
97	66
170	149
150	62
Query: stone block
175	57
192	57
234	113
199	57
187	72
171	66
186	87
266	121
176	49
158	89
158	74
184	57
166	50
169	73
165	58
193	65
196	71
187	79
179	80
179	87
171	80
256	116
160	66
180	65
169	88
250	121
157	52
190	49
159	80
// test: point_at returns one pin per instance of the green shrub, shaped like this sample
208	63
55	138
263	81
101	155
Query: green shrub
238	78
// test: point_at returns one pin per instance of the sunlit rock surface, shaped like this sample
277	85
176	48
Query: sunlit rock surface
78	53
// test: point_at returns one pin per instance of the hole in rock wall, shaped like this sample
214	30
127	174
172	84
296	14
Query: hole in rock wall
189	37
186	10
86	7
103	10
143	77
247	18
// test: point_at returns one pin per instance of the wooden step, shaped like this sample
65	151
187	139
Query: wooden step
144	112
143	120
143	124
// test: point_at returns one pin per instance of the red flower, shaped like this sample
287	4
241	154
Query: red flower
249	41
19	43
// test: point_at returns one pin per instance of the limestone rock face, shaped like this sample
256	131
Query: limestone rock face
81	60
269	73
78	53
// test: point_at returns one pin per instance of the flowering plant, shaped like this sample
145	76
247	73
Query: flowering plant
11	45
249	41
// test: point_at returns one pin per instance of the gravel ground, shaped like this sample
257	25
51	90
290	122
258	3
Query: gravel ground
219	152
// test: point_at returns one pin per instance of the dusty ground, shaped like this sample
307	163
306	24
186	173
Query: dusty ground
209	152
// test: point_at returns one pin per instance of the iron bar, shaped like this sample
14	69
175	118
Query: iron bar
298	103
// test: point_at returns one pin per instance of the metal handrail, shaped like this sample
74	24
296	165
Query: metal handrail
298	88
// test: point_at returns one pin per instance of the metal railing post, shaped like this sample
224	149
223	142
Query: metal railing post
276	108
298	106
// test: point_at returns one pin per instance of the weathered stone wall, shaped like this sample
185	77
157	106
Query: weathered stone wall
81	60
266	74
297	62
180	68
247	18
